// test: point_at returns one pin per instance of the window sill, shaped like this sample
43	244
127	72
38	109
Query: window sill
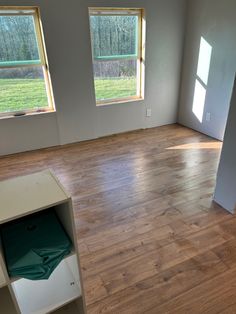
27	114
118	101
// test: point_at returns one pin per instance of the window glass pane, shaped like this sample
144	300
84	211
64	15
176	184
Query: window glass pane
18	40
22	89
115	79
114	35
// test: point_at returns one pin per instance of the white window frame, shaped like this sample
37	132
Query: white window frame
140	57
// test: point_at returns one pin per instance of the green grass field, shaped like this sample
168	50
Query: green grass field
19	94
22	94
115	88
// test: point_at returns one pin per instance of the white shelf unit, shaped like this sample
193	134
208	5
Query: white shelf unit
23	196
2	279
7	305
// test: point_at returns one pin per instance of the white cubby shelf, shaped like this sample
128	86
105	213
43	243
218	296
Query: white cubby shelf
23	196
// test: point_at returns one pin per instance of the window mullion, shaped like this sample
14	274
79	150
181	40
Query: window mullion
115	58
18	66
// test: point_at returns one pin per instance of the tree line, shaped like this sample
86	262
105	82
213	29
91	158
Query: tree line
17	39
18	43
111	36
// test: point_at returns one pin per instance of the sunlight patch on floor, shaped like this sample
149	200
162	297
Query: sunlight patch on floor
201	145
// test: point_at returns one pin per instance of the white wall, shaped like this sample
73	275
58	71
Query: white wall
66	30
215	20
28	132
225	193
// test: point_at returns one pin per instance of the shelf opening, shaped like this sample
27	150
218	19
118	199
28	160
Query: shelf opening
34	245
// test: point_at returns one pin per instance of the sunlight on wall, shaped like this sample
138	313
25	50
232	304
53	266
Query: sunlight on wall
199	100
204	62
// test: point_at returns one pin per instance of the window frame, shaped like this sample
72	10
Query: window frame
33	11
140	58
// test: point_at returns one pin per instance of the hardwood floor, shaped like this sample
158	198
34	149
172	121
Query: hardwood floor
150	238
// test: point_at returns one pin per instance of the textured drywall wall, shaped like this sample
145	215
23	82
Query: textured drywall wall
225	193
215	21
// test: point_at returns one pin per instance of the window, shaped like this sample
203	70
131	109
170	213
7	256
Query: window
117	37
24	78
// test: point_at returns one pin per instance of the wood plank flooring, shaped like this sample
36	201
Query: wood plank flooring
150	238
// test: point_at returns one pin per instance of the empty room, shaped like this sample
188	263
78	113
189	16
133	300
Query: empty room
117	156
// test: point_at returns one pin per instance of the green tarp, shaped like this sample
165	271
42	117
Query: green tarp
34	245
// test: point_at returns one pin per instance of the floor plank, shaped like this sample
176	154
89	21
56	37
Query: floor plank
214	296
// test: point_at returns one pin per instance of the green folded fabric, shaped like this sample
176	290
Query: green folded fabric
34	245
